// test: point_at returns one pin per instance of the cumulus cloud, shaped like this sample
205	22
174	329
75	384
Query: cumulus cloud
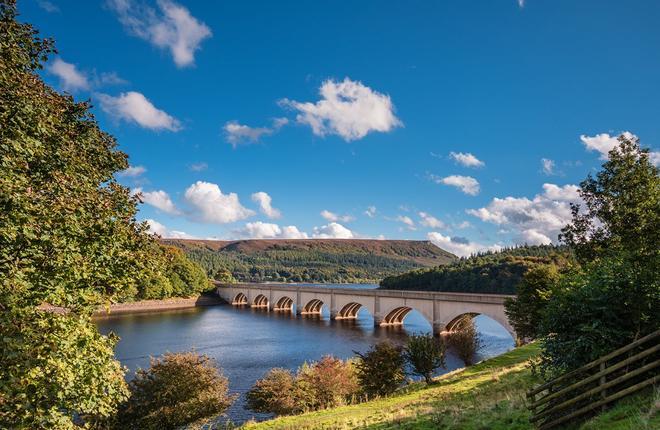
407	221
265	204
71	79
603	143
371	211
466	159
157	228
430	221
466	184
264	230
135	107
132	171
458	245
170	27
211	205
348	109
158	199
333	217
238	134
332	230
534	221
548	166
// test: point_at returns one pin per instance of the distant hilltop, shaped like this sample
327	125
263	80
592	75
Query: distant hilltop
312	260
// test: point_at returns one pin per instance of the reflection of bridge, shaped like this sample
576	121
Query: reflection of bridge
388	307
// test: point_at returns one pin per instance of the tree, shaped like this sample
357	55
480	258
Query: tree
177	389
425	353
465	340
327	383
275	393
380	370
532	295
225	276
68	237
614	296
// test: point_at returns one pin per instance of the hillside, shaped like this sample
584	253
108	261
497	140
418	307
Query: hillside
313	260
492	272
489	395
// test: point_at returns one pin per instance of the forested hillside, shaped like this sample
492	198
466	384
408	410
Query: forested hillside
492	272
314	260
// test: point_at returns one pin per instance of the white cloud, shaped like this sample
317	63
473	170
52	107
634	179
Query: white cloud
158	199
430	221
371	211
71	79
466	184
463	225
48	6
654	157
135	107
458	245
466	159
348	109
548	166
237	134
332	230
535	221
109	78
171	27
132	171
521	3
212	206
603	143
333	217
263	230
199	167
157	228
265	204
407	221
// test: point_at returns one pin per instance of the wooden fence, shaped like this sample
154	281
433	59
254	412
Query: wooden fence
583	391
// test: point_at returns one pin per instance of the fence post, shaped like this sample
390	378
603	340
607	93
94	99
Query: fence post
603	379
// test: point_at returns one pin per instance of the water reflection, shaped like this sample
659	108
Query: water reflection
248	342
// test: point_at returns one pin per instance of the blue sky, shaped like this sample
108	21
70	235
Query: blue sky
465	123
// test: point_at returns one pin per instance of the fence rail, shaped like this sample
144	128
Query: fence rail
605	380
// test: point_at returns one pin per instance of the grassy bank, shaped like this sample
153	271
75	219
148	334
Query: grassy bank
490	395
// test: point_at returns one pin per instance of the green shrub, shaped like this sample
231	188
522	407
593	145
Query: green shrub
275	393
425	354
465	340
177	389
380	371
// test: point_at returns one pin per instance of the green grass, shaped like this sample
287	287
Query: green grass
488	396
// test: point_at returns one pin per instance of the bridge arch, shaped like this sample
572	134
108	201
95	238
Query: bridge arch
456	320
260	301
397	314
284	303
239	299
349	311
314	306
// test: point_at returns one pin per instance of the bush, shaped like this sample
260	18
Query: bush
327	383
380	371
425	354
177	389
275	393
465	340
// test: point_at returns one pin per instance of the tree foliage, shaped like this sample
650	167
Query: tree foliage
68	237
613	297
425	354
465	340
496	272
532	295
275	393
380	371
176	390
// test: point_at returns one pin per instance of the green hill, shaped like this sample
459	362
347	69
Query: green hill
492	272
313	260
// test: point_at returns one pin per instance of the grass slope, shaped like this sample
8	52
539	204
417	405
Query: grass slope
490	395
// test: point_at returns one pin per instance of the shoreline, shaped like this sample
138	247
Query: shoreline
156	305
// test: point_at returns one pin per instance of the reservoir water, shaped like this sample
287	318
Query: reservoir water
246	343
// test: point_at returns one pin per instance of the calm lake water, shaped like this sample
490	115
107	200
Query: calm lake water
247	343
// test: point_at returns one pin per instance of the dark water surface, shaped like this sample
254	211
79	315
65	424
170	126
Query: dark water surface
247	343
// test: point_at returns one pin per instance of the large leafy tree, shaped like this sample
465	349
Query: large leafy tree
68	237
614	296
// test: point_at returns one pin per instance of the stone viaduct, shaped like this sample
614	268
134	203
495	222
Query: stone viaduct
388	307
